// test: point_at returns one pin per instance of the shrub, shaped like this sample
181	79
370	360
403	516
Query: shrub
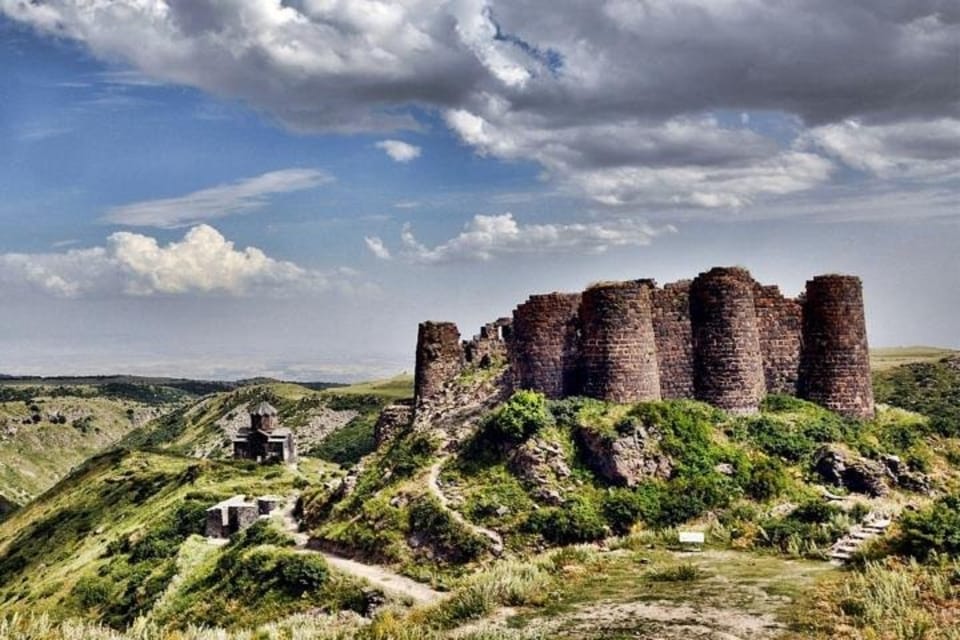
687	498
685	572
579	520
521	416
450	538
623	508
768	479
935	529
301	573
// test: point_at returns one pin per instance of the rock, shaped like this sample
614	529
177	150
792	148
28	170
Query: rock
839	466
502	511
724	468
538	462
549	496
629	458
394	419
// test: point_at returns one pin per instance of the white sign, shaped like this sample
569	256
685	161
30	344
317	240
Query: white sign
691	537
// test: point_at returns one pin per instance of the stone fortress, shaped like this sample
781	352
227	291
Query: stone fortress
721	338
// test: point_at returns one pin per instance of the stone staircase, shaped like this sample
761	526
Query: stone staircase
874	525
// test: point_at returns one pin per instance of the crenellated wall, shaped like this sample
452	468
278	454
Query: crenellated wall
674	338
779	321
728	365
721	338
835	361
618	349
544	345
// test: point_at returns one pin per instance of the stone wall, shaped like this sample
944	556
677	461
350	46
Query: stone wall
835	362
674	337
617	345
439	357
779	321
544	347
489	347
728	366
394	419
721	338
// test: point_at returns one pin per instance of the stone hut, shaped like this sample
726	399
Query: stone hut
264	440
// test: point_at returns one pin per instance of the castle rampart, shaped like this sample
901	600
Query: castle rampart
728	365
617	346
544	347
674	337
439	357
779	321
835	362
721	338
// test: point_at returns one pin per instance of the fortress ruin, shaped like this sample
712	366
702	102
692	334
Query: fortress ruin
721	338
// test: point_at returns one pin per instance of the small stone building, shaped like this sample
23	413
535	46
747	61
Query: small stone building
264	440
237	513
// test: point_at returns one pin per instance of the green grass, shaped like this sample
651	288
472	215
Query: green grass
890	357
392	389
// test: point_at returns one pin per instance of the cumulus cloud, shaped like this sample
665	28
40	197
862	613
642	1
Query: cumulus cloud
486	237
203	262
913	149
216	202
399	151
377	248
610	97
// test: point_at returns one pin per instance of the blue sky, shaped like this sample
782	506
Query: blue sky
207	189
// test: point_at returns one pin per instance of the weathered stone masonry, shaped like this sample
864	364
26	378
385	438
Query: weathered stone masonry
835	362
617	345
722	338
728	365
544	347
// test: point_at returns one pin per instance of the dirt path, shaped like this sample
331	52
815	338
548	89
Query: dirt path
433	483
389	581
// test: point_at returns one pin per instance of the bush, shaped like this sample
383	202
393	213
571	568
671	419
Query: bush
623	508
686	572
520	417
579	520
935	529
450	538
687	498
768	479
301	573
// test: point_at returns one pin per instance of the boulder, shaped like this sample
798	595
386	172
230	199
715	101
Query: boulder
839	466
628	458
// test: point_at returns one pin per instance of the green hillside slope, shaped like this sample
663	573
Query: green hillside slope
45	431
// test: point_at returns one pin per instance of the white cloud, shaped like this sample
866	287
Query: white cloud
377	248
486	237
399	151
682	162
913	149
216	202
604	96
203	262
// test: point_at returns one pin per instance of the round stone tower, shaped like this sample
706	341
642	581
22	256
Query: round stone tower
728	365
544	344
835	361
439	357
617	345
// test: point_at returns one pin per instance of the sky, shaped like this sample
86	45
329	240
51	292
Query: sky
223	189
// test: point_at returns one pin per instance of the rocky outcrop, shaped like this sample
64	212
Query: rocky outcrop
539	462
839	466
394	419
627	459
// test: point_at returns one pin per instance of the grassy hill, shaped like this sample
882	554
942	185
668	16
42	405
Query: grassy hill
576	551
887	358
47	430
333	423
